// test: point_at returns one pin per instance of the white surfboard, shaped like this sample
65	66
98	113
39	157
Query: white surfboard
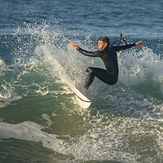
83	101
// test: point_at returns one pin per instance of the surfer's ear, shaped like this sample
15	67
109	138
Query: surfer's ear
106	44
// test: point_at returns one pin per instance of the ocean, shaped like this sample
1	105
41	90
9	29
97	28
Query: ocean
40	117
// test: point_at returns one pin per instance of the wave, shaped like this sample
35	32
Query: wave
41	54
37	105
32	132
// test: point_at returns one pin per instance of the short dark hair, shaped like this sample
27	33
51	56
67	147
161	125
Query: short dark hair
105	39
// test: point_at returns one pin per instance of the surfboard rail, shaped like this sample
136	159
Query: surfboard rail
83	101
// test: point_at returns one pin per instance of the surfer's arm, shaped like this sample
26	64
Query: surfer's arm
118	48
86	53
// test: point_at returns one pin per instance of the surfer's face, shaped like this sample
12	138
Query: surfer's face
102	45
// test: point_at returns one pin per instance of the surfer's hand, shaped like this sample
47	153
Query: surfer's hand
139	43
74	46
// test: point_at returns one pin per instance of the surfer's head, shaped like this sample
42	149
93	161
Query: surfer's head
103	42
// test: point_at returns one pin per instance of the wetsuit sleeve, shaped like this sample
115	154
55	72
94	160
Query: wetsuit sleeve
90	54
118	48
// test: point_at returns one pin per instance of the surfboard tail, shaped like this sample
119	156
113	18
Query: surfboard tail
83	101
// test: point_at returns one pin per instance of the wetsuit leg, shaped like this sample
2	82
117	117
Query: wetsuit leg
100	74
89	78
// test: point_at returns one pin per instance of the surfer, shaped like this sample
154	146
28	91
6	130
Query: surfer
120	41
109	56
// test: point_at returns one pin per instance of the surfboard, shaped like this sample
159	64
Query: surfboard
83	101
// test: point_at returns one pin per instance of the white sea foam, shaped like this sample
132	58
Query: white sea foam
7	95
88	147
104	141
2	63
28	131
47	118
42	90
135	67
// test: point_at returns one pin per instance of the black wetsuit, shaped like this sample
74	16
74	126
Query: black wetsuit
109	57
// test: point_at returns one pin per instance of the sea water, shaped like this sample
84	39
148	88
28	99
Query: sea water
40	118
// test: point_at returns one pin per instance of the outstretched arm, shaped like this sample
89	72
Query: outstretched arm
86	53
118	48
